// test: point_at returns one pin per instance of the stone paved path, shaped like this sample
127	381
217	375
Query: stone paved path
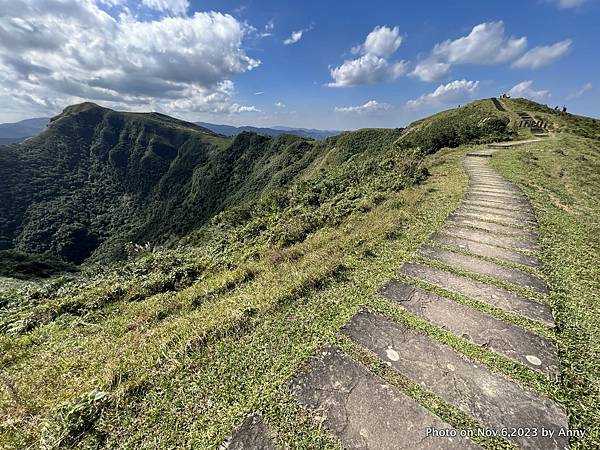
486	253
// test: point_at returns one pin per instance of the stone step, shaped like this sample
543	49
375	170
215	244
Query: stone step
487	238
498	196
494	401
512	341
500	187
492	227
495	200
503	220
486	208
475	172
365	412
495	190
253	433
482	292
486	250
479	266
499	206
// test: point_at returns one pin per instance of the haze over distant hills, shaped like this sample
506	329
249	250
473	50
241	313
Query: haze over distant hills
12	133
15	132
96	179
229	130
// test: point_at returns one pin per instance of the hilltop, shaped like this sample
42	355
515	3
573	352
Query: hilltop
260	250
97	179
14	133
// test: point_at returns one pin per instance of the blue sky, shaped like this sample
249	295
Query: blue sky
336	65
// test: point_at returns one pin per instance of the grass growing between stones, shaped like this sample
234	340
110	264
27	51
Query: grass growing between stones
181	368
561	176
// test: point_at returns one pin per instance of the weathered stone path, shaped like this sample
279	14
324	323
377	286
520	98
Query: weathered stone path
485	254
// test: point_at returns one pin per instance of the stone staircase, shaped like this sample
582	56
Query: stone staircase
538	127
487	253
498	104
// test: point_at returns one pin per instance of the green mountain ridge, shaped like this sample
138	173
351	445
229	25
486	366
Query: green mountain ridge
97	179
260	250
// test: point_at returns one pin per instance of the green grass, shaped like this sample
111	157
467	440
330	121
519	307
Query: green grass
561	176
176	346
208	354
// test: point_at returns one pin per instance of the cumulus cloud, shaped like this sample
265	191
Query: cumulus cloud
373	66
543	55
487	43
172	6
372	106
454	92
368	69
523	89
586	88
61	52
382	41
296	36
280	104
431	70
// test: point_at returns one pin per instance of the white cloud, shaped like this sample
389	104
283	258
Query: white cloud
431	70
382	41
173	6
55	53
268	30
523	89
585	89
543	55
368	69
566	4
487	43
218	100
259	93
374	65
372	106
296	36
280	104
454	92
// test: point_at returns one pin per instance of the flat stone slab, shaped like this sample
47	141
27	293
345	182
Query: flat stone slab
487	214
499	185
478	185
253	433
507	339
495	190
487	238
519	214
488	199
363	411
490	251
474	177
500	197
493	400
479	266
483	292
500	207
492	227
495	187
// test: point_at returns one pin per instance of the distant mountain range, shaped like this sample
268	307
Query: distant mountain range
229	130
12	133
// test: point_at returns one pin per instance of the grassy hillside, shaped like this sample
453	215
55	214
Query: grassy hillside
561	176
172	347
97	179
